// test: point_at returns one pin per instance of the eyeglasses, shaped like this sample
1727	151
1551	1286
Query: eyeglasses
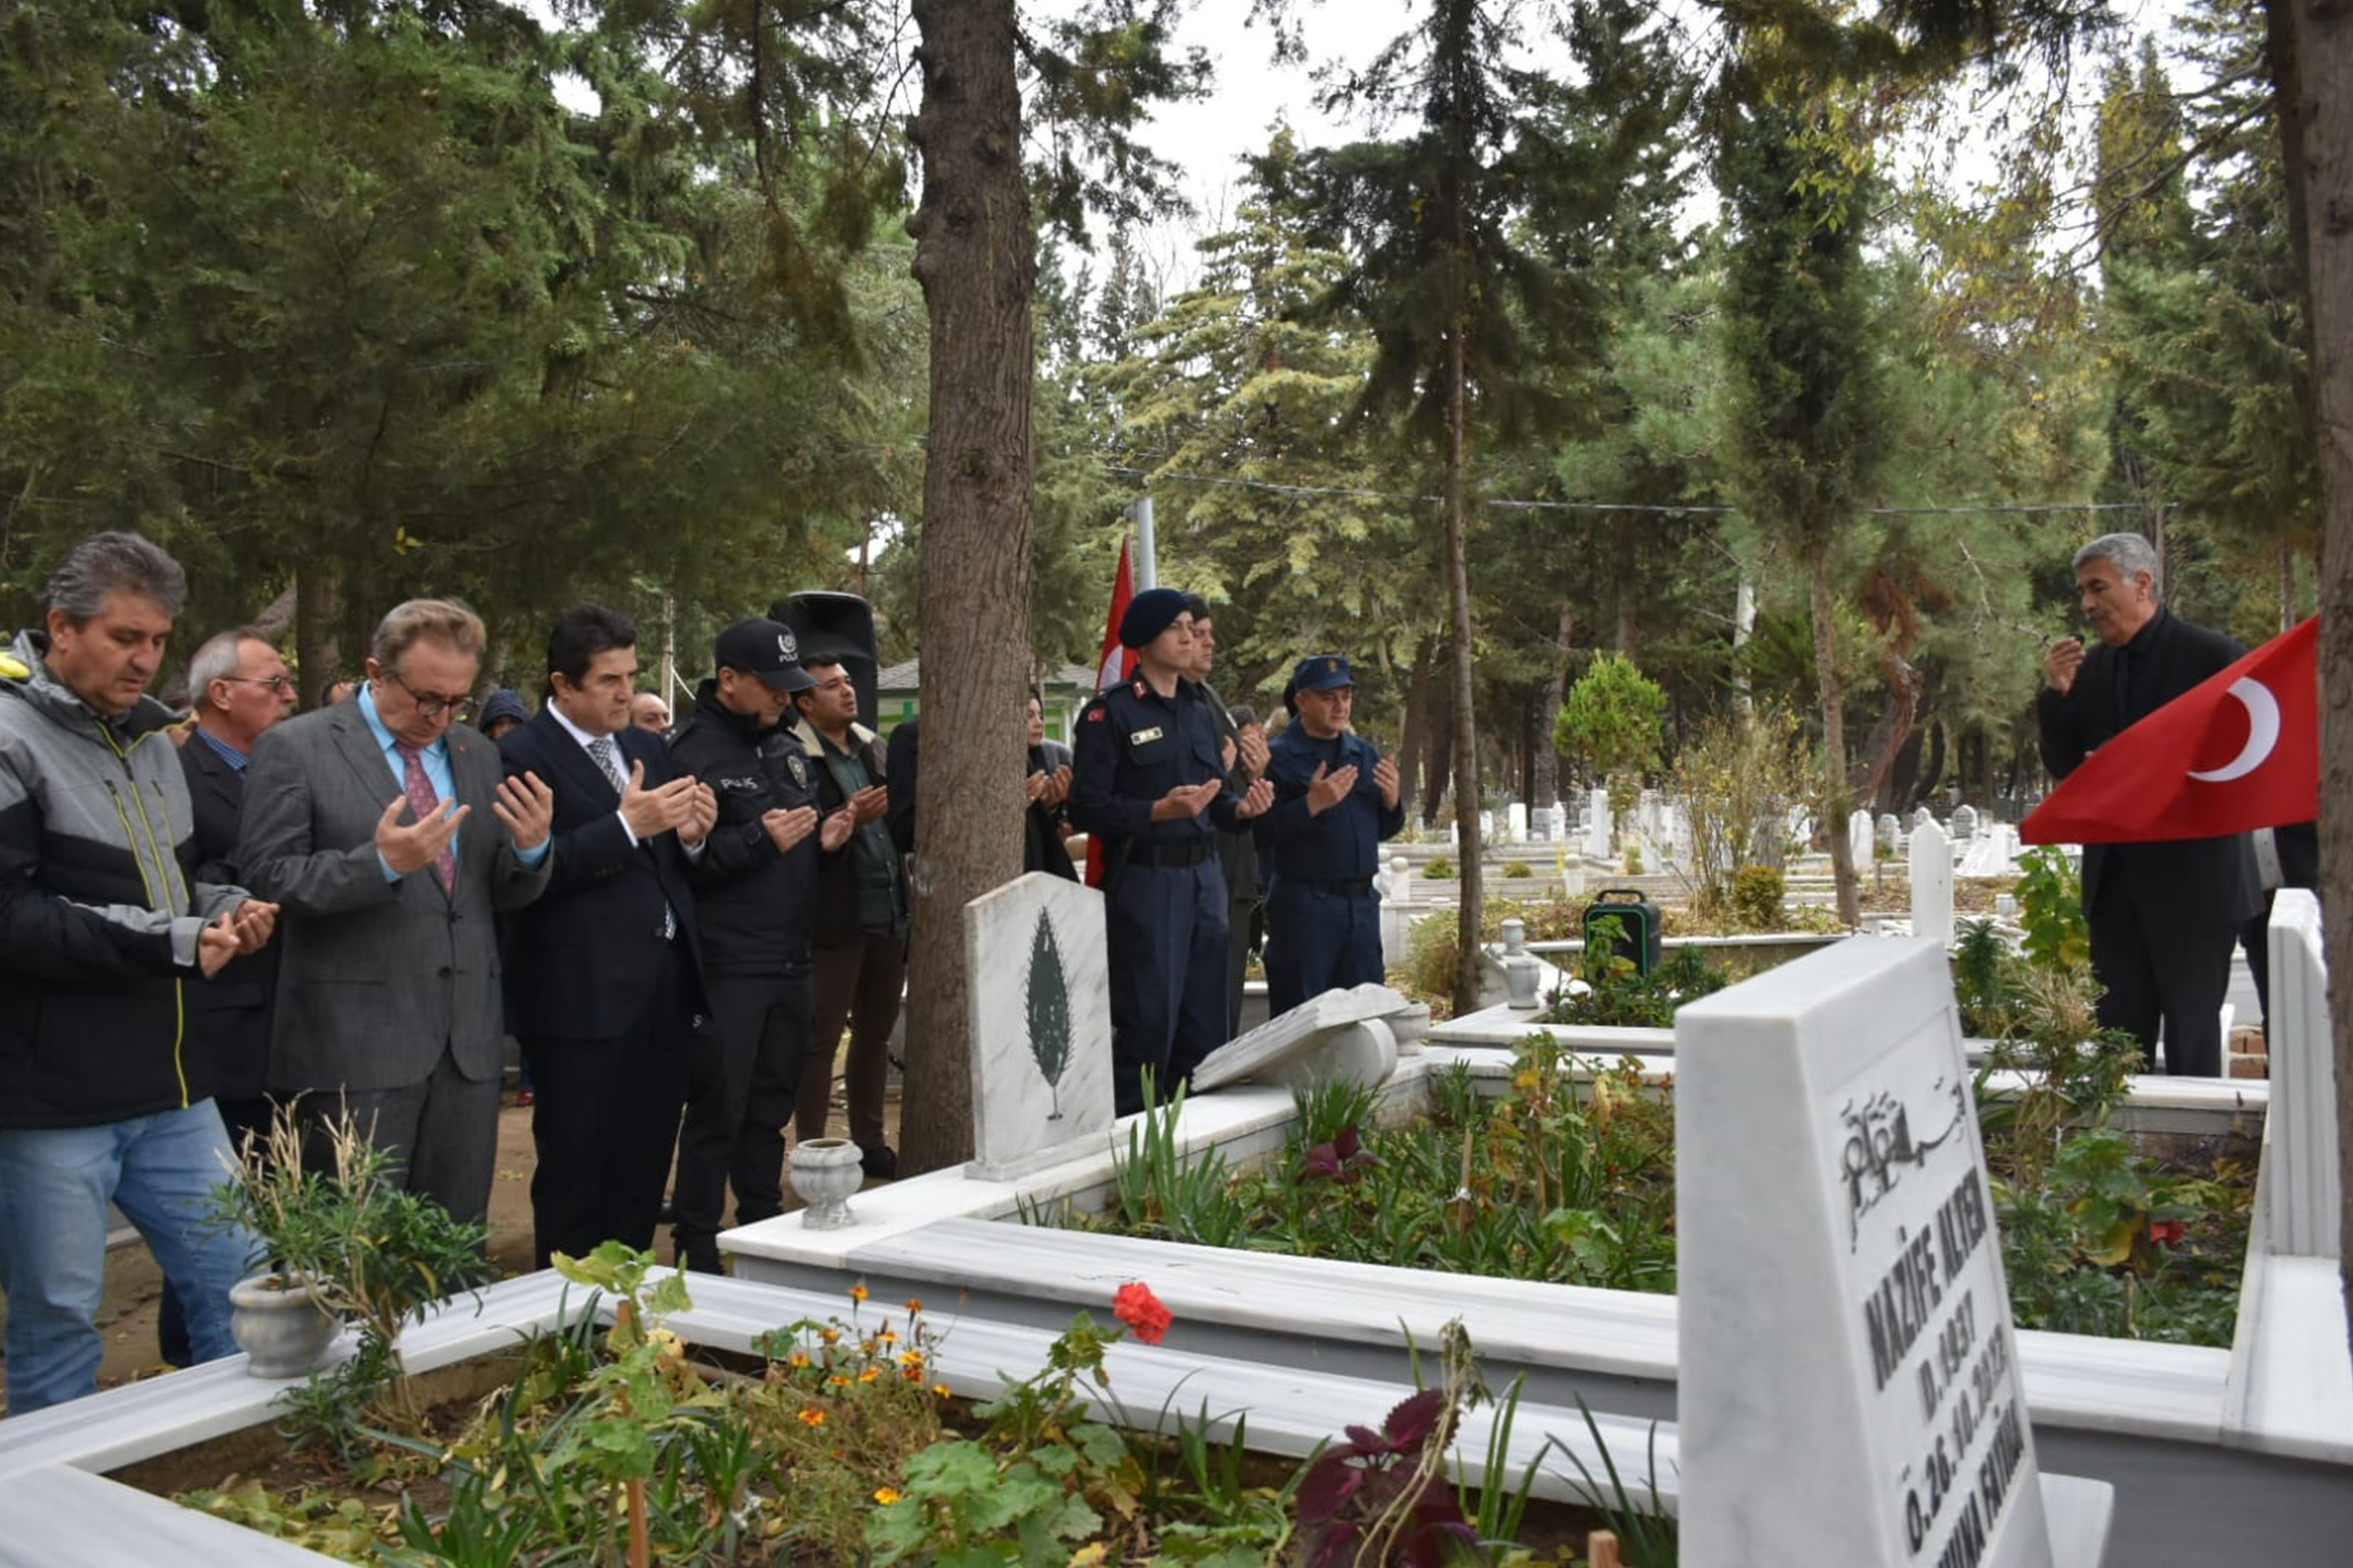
433	707
275	683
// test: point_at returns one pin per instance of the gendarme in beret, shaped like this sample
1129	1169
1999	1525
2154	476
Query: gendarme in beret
1148	616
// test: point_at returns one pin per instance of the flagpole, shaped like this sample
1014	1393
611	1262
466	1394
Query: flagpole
1147	560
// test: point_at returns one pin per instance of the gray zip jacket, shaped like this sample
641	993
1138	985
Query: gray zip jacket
99	912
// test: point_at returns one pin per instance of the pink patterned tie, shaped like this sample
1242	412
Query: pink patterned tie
422	801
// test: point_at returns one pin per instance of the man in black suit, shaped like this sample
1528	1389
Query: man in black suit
238	687
604	983
2163	916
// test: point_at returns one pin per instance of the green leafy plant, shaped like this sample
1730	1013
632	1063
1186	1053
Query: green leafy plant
1740	777
1758	893
1438	868
2050	908
372	1251
1611	723
1518	870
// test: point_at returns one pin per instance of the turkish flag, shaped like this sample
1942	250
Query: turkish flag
2239	751
1116	663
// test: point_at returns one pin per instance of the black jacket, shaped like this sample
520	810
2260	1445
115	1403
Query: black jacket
228	1017
583	958
2182	884
755	904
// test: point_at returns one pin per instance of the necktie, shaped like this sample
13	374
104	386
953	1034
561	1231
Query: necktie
601	748
422	801
609	759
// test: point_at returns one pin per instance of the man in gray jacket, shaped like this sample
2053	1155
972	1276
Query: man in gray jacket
103	933
390	834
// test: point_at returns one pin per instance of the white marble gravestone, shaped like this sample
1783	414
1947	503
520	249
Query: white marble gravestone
1319	1036
1850	1391
1964	822
1600	835
1858	838
1931	883
1515	823
2299	1180
1890	833
1041	1022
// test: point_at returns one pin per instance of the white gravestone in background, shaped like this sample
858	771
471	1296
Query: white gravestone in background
1891	832
1931	883
1515	823
1041	1022
1858	838
1850	1391
1600	834
1964	822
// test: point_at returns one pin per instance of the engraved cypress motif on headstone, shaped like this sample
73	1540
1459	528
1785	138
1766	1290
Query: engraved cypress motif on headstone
1049	1010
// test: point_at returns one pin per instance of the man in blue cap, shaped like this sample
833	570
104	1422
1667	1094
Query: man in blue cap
1149	780
1335	800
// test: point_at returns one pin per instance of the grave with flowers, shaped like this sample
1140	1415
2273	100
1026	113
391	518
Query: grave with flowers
2131	1414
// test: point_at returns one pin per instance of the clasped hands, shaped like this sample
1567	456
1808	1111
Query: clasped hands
1328	789
1192	800
244	929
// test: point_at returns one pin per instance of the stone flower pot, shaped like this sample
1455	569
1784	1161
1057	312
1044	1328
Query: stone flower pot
826	1171
283	1328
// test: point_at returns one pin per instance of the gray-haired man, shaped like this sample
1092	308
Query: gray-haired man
103	931
2165	916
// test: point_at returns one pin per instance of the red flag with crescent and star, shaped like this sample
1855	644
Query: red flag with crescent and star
2239	751
1116	665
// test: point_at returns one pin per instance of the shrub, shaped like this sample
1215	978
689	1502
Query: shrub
1518	870
1440	870
1633	860
1739	782
1611	721
1756	894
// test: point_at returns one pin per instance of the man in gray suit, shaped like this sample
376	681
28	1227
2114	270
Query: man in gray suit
364	818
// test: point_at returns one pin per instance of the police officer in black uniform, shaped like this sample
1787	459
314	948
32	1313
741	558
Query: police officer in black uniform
1335	800
755	896
1149	781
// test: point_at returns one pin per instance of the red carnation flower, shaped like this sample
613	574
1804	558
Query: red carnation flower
1136	1306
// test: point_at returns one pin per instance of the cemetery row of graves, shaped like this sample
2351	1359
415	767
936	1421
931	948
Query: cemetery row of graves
1880	1254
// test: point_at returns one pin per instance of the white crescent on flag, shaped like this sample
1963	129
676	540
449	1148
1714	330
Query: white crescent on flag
2262	731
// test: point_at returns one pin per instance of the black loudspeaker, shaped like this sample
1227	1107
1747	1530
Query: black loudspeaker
838	626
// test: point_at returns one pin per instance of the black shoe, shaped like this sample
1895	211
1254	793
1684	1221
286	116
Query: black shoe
699	1258
881	1162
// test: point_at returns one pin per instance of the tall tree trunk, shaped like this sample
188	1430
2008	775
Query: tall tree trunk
315	643
1466	740
1546	791
1837	801
976	260
1622	543
1439	737
1413	734
2314	76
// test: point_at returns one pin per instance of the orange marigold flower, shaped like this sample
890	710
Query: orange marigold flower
940	1388
830	1336
888	1336
813	1416
911	1359
913	1305
798	1358
1136	1306
869	1375
838	1381
886	1496
858	1293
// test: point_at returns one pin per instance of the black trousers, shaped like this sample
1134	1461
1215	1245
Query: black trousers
742	1079
605	1123
2154	975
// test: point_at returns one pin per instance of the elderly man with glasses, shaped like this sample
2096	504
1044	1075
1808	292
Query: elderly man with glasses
386	828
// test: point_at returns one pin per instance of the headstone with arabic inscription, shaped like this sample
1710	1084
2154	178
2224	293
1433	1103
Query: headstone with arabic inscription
1849	1387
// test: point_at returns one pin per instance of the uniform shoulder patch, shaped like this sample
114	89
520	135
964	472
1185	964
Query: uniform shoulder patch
800	768
1094	715
1141	689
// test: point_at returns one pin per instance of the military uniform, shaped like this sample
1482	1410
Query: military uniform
1165	904
1322	918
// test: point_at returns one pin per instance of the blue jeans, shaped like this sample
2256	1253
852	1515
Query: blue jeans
56	1184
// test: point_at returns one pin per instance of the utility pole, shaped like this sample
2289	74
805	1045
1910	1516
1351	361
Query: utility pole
1147	563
